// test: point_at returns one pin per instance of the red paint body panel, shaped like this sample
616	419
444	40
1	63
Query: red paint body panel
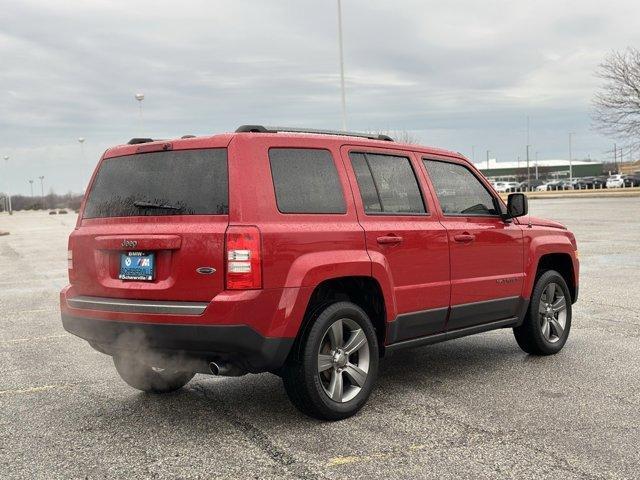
298	249
181	243
417	268
540	241
429	269
488	267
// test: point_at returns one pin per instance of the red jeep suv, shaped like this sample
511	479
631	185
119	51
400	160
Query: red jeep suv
309	254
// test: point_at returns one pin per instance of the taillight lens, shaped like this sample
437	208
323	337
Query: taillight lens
244	258
70	271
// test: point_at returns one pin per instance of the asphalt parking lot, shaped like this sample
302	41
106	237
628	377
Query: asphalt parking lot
471	408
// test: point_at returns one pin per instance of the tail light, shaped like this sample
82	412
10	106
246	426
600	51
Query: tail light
70	270
244	258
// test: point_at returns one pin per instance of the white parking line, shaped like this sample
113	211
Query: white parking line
20	391
336	461
33	339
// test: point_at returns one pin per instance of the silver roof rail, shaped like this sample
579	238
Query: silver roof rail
263	129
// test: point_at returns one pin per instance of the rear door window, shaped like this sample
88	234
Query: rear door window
180	182
387	184
458	190
306	181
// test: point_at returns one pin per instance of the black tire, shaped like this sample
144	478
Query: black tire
144	377
303	383
530	335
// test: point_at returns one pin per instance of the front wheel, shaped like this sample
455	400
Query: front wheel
334	365
546	326
148	378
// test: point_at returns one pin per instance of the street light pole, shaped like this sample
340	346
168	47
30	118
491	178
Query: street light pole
487	159
342	90
528	147
82	159
571	134
81	141
528	171
31	187
8	195
42	189
140	98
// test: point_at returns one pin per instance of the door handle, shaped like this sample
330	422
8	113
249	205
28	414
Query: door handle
464	238
389	240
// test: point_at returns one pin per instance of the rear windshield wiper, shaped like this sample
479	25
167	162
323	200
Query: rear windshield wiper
156	205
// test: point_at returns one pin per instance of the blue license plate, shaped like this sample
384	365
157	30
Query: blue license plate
137	266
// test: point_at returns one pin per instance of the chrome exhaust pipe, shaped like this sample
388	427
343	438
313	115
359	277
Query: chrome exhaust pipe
226	369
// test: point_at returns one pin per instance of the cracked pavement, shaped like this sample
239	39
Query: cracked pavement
476	407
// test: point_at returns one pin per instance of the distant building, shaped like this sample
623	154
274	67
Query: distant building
542	169
630	168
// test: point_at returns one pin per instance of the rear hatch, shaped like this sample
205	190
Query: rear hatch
153	227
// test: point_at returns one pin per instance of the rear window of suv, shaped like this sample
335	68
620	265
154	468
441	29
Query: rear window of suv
181	182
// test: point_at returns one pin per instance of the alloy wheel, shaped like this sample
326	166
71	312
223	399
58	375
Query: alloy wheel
552	312
343	360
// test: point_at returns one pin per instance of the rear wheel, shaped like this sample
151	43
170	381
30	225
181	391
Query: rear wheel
149	378
548	321
334	365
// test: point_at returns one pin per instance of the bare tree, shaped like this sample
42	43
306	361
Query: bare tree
617	104
401	136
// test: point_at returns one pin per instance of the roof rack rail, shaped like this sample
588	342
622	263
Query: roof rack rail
263	129
136	141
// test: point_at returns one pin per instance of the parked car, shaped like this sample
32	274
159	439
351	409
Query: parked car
619	180
551	185
615	181
503	187
561	185
631	181
337	250
584	183
530	185
588	183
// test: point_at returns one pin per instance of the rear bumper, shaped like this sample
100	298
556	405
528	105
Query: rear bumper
272	313
238	344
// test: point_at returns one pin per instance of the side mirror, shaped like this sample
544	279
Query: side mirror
517	205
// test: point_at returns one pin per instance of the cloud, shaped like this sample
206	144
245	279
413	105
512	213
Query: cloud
456	74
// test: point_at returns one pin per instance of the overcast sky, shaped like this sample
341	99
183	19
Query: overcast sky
454	74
